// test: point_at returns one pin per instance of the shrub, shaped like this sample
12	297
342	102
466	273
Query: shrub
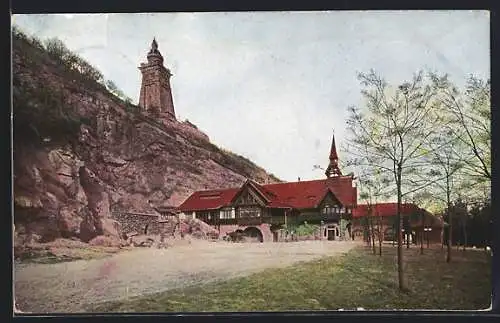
58	51
306	229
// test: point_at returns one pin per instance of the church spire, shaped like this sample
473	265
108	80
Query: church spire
333	167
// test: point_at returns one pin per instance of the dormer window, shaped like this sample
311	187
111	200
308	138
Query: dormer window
210	196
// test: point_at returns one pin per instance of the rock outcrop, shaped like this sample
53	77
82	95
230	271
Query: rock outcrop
81	153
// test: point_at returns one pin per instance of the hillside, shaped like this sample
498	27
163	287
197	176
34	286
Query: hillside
80	153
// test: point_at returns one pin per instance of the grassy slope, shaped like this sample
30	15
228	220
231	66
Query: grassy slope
358	279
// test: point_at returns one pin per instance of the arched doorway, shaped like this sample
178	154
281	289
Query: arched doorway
333	232
254	233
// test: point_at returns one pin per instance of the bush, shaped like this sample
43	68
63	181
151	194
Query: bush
57	50
306	229
72	61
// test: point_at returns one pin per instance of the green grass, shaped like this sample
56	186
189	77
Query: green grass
357	279
42	255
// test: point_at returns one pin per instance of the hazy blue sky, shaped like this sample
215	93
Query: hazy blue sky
272	86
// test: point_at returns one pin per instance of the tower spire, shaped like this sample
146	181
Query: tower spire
333	166
154	45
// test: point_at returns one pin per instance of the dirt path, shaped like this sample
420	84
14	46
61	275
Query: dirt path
68	287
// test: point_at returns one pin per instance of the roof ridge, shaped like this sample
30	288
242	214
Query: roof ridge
216	190
284	183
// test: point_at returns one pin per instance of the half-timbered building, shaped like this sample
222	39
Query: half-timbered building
263	210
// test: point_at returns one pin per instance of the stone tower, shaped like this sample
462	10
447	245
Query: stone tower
333	166
156	93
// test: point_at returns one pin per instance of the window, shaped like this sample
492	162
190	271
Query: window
227	213
329	210
249	212
202	215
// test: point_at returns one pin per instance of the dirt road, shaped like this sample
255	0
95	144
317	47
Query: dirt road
68	287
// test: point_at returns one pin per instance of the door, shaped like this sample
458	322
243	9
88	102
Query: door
331	234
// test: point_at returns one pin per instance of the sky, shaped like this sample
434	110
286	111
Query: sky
273	86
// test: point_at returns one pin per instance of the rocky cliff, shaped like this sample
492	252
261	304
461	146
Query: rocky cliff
80	153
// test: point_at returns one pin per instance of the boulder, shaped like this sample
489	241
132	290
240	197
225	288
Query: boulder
70	221
142	241
31	238
111	228
88	229
105	241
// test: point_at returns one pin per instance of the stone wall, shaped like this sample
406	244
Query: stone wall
227	228
264	228
137	222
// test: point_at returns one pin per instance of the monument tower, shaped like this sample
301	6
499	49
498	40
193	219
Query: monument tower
156	93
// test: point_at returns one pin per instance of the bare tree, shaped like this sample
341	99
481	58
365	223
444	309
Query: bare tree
446	162
423	199
470	113
374	186
467	127
389	134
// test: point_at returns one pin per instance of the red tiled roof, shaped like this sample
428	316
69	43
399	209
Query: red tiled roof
299	195
208	200
308	194
384	209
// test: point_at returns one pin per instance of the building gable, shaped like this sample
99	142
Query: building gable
248	196
329	200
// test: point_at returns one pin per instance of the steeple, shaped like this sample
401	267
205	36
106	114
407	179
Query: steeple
154	45
156	93
333	167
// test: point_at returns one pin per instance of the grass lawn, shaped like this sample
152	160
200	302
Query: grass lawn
51	255
356	279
